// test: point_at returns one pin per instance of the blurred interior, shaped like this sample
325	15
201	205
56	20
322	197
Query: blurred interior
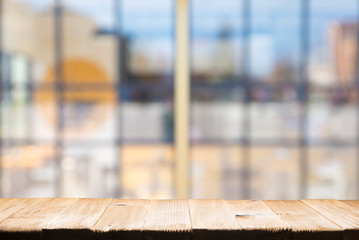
87	98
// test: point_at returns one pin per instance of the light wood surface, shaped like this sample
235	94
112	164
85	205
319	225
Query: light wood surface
123	219
76	220
340	213
258	219
211	219
167	219
304	222
10	206
51	218
28	222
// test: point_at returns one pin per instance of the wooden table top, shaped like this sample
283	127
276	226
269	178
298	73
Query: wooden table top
65	218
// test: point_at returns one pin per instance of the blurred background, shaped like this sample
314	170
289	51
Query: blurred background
87	98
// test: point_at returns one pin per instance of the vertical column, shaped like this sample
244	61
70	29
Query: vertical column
303	95
118	109
357	89
245	61
1	100
182	99
59	83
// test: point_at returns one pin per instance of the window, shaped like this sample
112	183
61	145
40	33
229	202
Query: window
95	102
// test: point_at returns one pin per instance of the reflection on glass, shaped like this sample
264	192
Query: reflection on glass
333	42
274	115
147	171
332	71
274	61
147	72
146	99
332	173
215	41
89	71
216	98
208	117
246	89
16	105
274	41
28	171
215	171
332	123
88	172
275	172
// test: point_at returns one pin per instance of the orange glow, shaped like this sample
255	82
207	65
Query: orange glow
77	72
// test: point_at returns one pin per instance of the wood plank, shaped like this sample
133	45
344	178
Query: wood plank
304	222
9	206
339	213
178	219
212	219
76	220
29	221
123	219
167	219
258	220
353	204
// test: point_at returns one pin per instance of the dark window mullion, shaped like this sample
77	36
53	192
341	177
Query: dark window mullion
59	92
1	100
245	175
303	96
117	14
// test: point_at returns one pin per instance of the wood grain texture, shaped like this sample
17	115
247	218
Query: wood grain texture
123	219
338	212
353	204
167	219
9	206
77	220
304	222
106	219
258	220
28	222
212	219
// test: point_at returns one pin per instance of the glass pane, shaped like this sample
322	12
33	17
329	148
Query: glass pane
215	40
147	92
27	38
274	114
274	41
147	170
332	111
330	120
44	114
88	171
332	173
151	122
274	64
333	42
28	171
148	43
89	70
89	115
27	129
89	74
16	115
274	172
216	37
211	110
216	171
146	108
